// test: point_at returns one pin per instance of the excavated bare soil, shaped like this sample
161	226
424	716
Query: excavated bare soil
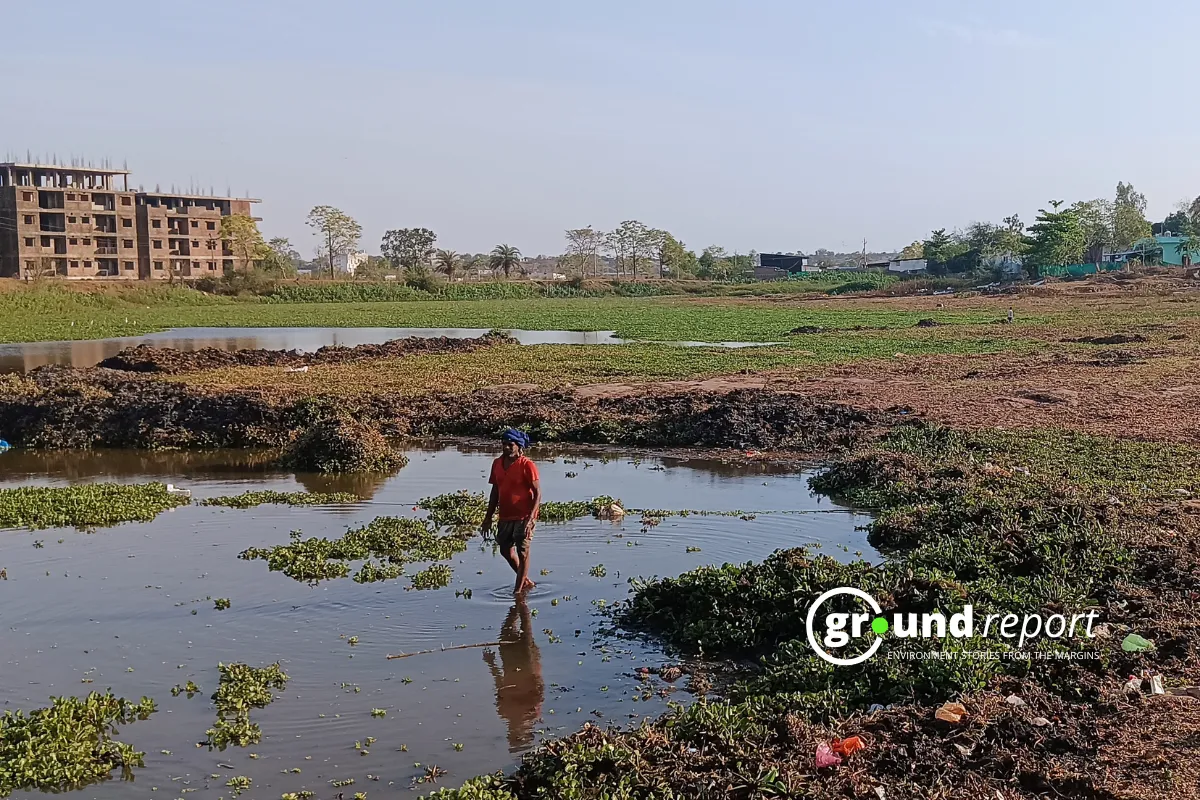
146	358
61	407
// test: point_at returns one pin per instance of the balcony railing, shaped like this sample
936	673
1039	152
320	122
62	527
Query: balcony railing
106	251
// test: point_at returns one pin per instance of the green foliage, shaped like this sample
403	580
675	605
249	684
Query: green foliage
342	444
241	689
1007	522
435	576
1058	238
505	258
407	247
394	540
68	745
264	497
465	509
337	233
85	506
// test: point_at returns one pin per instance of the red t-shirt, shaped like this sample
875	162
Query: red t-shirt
516	487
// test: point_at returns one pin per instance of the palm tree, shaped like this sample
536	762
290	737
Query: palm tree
505	257
447	263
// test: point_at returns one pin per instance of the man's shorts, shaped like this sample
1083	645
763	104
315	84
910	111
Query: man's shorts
512	534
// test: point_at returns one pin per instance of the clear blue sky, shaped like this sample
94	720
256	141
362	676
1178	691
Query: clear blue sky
756	124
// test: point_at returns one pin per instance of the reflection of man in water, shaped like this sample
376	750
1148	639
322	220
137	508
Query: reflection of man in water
519	687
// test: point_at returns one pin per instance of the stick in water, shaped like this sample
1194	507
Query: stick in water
444	649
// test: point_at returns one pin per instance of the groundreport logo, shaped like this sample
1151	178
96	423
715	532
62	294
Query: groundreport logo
842	628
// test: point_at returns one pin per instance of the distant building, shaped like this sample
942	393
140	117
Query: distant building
347	263
908	266
775	266
1172	251
81	222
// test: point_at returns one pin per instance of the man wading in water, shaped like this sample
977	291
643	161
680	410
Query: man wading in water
518	494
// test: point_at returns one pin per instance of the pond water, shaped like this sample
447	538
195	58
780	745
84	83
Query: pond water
24	356
125	608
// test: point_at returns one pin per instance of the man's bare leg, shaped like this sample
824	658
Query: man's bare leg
523	582
510	555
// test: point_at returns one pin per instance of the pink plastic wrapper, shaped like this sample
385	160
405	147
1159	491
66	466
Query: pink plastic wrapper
826	757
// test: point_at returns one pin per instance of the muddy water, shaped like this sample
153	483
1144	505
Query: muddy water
24	356
127	608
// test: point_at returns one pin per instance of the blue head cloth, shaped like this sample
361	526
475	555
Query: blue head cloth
516	436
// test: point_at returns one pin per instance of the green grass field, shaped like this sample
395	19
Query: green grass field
48	314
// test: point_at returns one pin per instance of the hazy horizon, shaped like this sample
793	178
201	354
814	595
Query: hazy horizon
774	126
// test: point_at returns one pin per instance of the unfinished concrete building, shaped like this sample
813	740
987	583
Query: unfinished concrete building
82	222
182	233
70	221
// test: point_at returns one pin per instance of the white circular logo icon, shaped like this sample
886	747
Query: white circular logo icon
812	639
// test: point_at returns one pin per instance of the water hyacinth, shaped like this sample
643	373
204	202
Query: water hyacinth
252	499
69	744
394	541
436	576
86	506
240	689
464	509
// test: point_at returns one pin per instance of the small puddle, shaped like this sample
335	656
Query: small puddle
25	356
116	608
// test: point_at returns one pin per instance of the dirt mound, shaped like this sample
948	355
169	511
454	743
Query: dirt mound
807	329
146	358
341	444
66	408
929	323
1116	338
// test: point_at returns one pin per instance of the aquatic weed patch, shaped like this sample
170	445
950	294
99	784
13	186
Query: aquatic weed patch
68	745
240	690
342	444
466	509
266	497
85	506
391	541
435	576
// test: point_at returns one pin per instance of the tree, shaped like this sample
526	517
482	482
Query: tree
1129	217
713	263
633	243
1058	238
240	233
375	268
279	258
583	248
1194	212
407	247
1179	223
505	257
673	258
282	247
914	250
1096	219
447	262
338	233
938	251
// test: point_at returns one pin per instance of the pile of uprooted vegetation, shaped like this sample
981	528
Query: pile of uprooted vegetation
146	358
1040	523
59	407
341	444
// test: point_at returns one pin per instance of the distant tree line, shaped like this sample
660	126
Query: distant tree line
1061	235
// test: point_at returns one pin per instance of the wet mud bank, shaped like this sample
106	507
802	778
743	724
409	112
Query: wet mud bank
57	407
1042	524
169	360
